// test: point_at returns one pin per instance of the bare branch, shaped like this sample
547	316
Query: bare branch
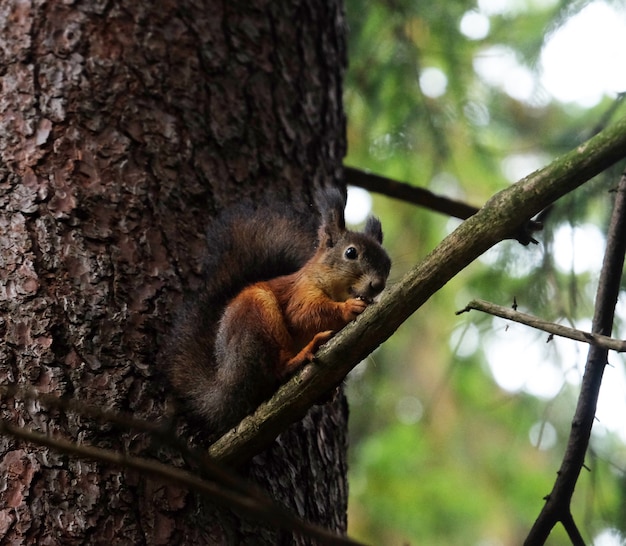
427	199
410	194
501	216
160	431
557	507
79	406
550	327
253	507
572	530
225	479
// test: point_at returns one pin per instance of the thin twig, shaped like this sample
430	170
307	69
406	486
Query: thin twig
546	326
158	430
427	199
572	529
224	477
557	506
74	405
410	194
259	509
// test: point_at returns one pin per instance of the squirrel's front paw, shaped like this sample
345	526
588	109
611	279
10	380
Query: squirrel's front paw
319	339
307	353
352	308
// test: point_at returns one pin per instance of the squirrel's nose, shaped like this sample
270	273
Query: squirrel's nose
377	284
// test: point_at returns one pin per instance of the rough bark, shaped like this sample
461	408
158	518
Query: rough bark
123	126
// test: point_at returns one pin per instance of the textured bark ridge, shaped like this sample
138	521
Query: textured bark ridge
123	126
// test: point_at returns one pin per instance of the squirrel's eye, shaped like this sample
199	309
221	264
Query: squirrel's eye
351	253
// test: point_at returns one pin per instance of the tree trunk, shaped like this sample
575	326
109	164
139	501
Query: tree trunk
123	126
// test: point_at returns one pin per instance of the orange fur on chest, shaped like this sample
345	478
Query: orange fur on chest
307	309
287	313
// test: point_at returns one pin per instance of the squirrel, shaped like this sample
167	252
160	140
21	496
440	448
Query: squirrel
270	298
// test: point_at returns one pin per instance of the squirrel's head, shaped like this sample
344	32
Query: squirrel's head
357	264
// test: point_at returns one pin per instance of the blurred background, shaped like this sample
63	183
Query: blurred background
459	423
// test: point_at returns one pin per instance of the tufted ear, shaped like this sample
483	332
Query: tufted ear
332	228
333	225
374	229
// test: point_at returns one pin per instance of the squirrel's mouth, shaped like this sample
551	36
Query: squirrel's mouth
358	296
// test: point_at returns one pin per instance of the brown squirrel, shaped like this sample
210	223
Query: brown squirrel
270	299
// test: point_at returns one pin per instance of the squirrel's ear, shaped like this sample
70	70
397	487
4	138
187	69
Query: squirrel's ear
332	227
374	229
331	202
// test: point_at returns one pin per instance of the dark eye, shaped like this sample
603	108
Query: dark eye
351	253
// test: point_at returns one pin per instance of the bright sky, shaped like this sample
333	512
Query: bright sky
584	59
358	206
581	61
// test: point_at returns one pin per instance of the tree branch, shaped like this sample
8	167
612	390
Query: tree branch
425	198
550	327
158	430
557	507
407	192
572	530
501	216
254	507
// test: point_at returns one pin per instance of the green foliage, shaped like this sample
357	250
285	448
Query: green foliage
441	454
